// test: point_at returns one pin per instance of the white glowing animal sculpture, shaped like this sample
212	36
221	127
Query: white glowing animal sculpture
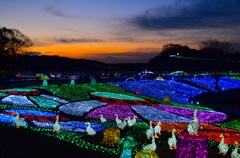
235	153
172	142
123	124
150	131
193	125
102	119
90	130
19	122
118	121
56	126
223	148
151	146
131	122
157	129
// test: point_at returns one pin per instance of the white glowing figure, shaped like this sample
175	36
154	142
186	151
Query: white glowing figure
223	148
56	126
157	129
235	153
19	122
152	146
102	119
193	125
90	130
150	131
172	142
130	121
123	124
118	121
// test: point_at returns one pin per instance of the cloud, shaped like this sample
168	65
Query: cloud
41	42
53	9
50	41
75	40
116	60
190	14
32	53
125	39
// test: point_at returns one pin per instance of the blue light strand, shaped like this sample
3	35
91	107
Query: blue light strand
32	112
72	126
7	119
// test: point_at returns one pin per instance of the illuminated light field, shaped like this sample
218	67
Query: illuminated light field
115	96
207	116
41	110
81	107
110	110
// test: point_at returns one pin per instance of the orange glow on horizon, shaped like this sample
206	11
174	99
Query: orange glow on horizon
87	50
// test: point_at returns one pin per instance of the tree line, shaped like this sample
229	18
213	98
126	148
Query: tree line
213	55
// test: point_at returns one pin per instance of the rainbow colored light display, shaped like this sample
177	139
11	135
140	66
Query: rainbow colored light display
109	104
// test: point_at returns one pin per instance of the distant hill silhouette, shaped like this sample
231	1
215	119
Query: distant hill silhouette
49	63
162	62
192	60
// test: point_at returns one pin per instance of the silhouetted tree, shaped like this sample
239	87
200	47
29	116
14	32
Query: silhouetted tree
173	47
215	49
219	46
13	42
162	60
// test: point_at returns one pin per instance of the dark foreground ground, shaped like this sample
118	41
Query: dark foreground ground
22	143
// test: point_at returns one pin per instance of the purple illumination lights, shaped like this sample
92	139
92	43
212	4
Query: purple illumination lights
110	110
191	146
203	115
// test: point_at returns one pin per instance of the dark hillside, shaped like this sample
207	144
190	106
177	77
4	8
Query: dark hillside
49	63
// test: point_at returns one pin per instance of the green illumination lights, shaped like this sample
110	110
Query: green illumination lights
78	99
116	96
44	102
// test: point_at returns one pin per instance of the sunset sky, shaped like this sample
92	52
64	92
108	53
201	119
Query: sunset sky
120	31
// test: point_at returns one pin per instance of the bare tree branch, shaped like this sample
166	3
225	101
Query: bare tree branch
13	42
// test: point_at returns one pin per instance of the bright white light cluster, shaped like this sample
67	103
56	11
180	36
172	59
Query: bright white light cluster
63	101
151	113
81	107
18	100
